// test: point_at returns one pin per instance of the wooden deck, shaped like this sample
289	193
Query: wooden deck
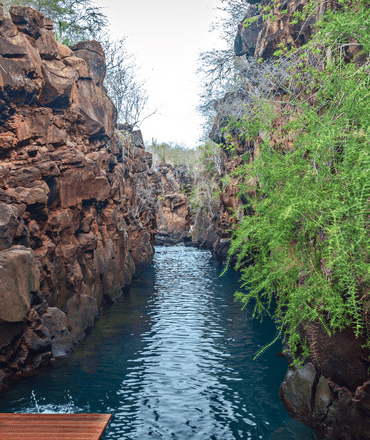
53	426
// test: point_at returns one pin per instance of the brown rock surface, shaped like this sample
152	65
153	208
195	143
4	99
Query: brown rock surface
281	30
92	53
246	37
331	392
173	211
337	406
19	275
334	411
8	225
71	189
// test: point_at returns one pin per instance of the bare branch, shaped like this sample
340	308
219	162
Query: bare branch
127	91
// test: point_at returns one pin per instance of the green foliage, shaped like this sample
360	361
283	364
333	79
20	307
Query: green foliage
308	242
204	198
248	21
174	154
74	20
265	347
211	158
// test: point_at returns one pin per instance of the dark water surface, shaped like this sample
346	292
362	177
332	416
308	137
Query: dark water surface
171	360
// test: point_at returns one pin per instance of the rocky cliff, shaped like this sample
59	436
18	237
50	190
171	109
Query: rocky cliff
213	226
257	41
331	392
171	184
77	211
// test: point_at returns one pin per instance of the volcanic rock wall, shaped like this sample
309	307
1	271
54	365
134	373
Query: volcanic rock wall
257	41
173	212
77	211
331	392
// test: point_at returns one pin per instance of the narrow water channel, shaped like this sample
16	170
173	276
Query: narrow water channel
172	360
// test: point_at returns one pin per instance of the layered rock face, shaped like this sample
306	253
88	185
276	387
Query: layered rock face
77	211
173	212
331	392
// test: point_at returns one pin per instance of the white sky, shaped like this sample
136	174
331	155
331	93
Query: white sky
166	37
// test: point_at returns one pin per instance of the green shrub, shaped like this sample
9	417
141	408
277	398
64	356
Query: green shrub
308	242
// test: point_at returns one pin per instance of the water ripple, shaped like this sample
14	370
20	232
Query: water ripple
172	360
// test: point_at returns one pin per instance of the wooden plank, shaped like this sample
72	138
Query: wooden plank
53	426
23	416
54	436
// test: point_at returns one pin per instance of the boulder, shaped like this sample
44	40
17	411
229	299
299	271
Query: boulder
14	75
56	323
41	359
10	50
8	28
37	339
46	45
39	193
8	225
96	110
58	87
19	275
81	312
142	252
48	24
27	20
92	52
342	357
10	331
75	186
56	136
296	392
64	51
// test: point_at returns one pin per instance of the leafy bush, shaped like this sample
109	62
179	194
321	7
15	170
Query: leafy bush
308	242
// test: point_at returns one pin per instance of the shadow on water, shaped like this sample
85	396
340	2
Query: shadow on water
171	360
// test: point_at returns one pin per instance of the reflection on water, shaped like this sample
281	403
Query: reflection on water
171	360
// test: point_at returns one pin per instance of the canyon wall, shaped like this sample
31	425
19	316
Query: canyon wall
331	391
172	183
77	205
258	41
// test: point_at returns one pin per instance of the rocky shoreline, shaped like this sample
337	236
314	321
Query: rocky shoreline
79	200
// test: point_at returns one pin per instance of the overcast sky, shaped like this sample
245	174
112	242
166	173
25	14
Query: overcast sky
167	36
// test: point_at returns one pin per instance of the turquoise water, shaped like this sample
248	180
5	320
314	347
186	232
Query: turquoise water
172	360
